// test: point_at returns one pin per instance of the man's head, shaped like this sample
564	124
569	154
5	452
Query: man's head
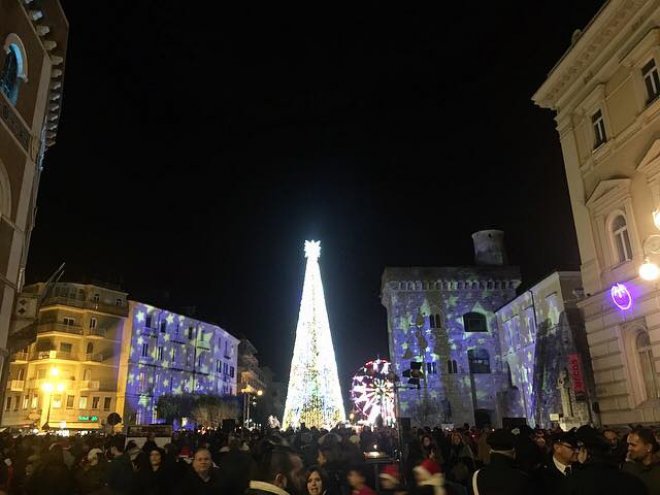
642	445
117	447
279	465
202	462
612	437
502	442
356	477
565	448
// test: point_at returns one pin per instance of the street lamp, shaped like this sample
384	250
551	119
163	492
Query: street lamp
649	271
48	387
248	392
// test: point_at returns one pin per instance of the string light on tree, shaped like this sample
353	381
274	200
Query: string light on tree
314	396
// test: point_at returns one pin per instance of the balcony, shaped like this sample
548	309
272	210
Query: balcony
96	332
37	383
96	357
70	356
16	385
59	327
90	385
19	356
84	304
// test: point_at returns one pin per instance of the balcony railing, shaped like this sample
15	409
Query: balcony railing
19	356
16	385
81	303
94	357
37	383
90	385
59	327
54	355
96	332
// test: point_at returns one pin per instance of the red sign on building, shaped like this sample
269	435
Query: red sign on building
575	370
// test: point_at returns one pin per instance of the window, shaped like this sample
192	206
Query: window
12	72
147	321
21	373
95	402
160	353
163	326
479	360
92	323
621	239
452	367
35	402
231	372
174	355
90	348
190	333
87	374
17	402
82	403
41	373
68	321
64	347
56	402
431	368
598	123
651	80
96	298
225	368
106	403
69	401
218	366
145	350
647	365
8	406
432	321
119	302
475	322
26	402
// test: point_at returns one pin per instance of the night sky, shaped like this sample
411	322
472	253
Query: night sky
201	144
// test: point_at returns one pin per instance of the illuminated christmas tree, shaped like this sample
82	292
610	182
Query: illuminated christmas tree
314	396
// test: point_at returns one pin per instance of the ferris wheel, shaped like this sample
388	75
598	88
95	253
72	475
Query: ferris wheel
372	392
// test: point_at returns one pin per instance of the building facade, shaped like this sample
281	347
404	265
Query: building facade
168	353
605	92
545	354
33	38
444	318
69	374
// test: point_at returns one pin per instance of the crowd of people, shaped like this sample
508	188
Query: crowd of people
464	461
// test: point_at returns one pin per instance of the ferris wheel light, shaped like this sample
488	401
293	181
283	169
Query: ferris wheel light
372	392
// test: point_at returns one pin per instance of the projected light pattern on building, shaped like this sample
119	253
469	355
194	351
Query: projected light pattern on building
174	354
314	396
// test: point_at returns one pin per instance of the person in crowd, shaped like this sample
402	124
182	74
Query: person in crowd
149	444
119	474
52	476
90	475
332	460
317	481
428	478
619	448
644	458
553	474
235	466
279	470
600	473
483	449
156	478
430	449
201	477
460	463
500	476
357	480
390	480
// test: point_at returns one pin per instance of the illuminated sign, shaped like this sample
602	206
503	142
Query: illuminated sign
621	296
88	418
575	369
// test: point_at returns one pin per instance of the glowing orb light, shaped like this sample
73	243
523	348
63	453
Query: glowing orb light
649	271
621	297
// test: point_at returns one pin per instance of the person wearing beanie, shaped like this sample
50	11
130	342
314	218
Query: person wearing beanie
600	471
429	479
390	480
500	476
643	458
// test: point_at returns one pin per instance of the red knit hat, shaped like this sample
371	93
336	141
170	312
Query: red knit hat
391	473
427	468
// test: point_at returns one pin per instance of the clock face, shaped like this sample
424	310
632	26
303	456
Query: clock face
652	244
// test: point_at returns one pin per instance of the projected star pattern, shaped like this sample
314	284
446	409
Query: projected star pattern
174	354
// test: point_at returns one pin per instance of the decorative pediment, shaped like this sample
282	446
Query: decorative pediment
650	163
608	193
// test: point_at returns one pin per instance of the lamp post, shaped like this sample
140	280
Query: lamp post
48	387
248	393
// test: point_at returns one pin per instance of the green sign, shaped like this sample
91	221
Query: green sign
88	418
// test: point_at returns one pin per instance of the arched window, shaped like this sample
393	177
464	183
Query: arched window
432	321
646	362
475	322
13	68
479	360
621	238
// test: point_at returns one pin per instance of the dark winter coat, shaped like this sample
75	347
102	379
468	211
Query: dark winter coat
549	479
150	482
192	484
51	478
650	474
500	477
597	478
119	475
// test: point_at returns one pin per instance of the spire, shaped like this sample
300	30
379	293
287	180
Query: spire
314	396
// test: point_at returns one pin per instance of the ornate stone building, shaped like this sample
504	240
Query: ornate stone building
445	319
33	41
545	354
605	92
